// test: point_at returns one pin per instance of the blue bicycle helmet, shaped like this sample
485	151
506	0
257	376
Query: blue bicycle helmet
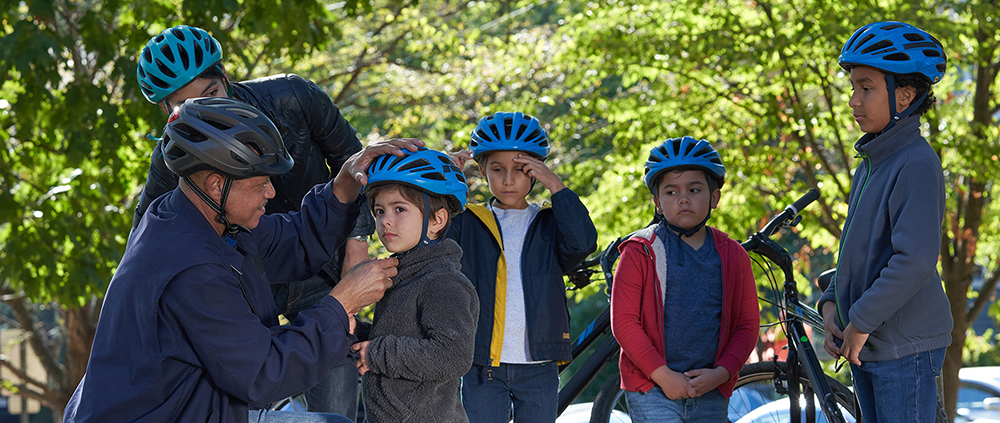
895	47
683	152
426	170
506	131
174	58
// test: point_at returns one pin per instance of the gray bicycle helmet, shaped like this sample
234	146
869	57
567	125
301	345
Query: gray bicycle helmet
226	136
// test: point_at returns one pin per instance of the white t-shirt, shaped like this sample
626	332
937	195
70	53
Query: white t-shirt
514	226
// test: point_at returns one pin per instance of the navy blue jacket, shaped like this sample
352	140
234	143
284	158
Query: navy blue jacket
189	331
316	134
559	238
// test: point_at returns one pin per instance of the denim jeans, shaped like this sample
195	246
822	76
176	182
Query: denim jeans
338	391
270	416
654	406
488	393
900	390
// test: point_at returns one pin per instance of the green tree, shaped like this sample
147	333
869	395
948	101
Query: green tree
761	80
74	154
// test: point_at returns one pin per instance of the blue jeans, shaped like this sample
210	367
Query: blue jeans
338	391
270	416
654	406
488	393
900	390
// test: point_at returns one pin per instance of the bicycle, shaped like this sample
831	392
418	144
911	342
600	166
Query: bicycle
775	390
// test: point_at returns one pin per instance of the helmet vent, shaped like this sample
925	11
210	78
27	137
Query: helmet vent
414	164
865	40
217	124
437	176
898	57
196	35
520	131
181	35
167	52
237	157
184	57
189	133
877	46
159	38
912	36
508	126
199	56
931	53
159	82
688	148
891	27
147	55
165	69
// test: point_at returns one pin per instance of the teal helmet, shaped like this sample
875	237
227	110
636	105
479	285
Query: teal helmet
174	58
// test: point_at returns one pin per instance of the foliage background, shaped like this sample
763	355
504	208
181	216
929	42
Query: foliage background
608	78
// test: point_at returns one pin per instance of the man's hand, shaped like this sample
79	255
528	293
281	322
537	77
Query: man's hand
831	329
705	380
537	169
355	251
353	175
460	157
365	283
854	342
362	364
675	385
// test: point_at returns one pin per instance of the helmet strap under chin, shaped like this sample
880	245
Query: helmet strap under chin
230	229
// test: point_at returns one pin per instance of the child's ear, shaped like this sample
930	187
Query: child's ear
716	195
437	222
656	205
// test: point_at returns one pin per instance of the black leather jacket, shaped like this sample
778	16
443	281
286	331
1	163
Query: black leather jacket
316	135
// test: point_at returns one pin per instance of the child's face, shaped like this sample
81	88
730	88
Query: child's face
684	199
870	99
507	180
398	221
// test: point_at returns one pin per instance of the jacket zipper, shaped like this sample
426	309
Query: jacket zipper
245	297
836	289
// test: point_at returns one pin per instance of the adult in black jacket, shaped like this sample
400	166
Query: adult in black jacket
185	62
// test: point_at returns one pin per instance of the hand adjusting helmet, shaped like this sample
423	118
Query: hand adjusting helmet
428	171
225	136
506	131
684	153
174	58
895	48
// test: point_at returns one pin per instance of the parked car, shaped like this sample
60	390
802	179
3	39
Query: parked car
978	395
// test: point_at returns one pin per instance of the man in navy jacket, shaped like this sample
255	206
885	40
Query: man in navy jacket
189	331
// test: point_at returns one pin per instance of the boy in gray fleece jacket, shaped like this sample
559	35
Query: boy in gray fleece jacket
886	312
423	334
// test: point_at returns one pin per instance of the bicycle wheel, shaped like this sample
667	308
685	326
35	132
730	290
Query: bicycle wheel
755	399
609	403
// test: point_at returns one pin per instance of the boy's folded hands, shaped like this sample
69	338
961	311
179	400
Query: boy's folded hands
705	380
674	384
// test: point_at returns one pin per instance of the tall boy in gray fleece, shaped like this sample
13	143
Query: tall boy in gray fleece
886	311
423	334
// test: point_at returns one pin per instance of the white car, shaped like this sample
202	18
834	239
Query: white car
580	413
978	395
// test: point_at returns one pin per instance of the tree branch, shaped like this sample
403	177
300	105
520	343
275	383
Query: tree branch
984	294
34	335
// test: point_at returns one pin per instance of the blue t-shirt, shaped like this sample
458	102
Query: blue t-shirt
692	309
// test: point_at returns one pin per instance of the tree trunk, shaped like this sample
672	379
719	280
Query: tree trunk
81	324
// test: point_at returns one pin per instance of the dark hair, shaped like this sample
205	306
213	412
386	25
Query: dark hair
413	195
712	183
213	72
922	85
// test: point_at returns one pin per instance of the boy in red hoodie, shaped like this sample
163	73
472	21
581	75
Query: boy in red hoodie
684	304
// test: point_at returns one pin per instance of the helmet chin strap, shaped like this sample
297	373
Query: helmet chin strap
692	231
890	84
231	229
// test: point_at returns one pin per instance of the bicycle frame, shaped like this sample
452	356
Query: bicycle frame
608	350
800	350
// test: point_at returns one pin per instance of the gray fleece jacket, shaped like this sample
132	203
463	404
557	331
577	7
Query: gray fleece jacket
887	283
422	339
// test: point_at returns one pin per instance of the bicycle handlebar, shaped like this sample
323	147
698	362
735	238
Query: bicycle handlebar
790	212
